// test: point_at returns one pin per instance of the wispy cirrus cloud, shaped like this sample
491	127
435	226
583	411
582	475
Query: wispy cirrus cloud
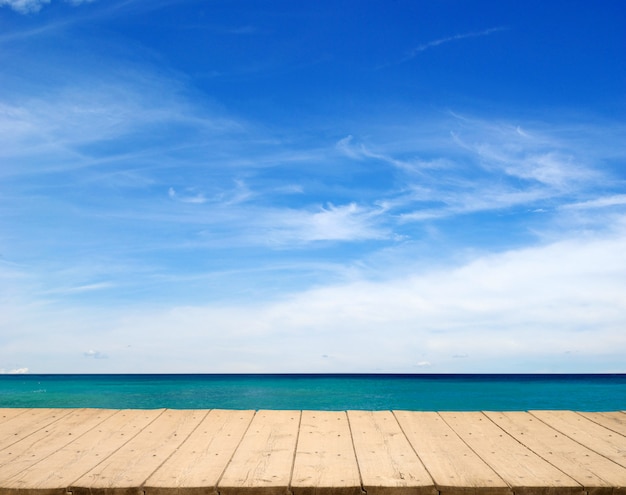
474	34
348	147
414	52
489	166
616	200
81	289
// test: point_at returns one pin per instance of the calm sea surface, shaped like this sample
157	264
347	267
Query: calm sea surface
325	392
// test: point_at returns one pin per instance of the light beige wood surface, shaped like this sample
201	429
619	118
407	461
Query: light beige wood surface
62	468
597	474
174	452
615	421
589	433
325	461
387	462
6	414
47	440
128	468
20	426
262	462
203	457
454	467
521	468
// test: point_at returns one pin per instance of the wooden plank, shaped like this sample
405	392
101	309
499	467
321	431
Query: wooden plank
521	468
262	462
6	414
200	461
454	467
47	440
325	461
597	474
15	429
128	468
615	421
593	436
54	474
387	462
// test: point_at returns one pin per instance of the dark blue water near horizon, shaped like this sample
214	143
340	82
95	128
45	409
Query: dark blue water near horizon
418	392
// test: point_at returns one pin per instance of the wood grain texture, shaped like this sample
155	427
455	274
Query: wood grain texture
6	414
128	468
325	461
262	462
20	426
199	462
454	467
602	440
178	452
520	467
43	442
615	421
387	462
597	474
61	469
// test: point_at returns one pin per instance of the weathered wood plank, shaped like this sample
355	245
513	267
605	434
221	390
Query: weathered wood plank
597	474
521	468
325	461
162	452
200	461
128	468
262	462
593	436
15	429
47	440
6	414
615	421
54	474
387	462
454	467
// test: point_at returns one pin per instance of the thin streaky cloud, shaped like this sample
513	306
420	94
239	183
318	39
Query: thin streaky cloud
603	202
432	44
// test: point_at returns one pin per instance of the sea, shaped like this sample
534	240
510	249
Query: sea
415	392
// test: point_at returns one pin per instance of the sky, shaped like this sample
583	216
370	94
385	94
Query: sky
270	186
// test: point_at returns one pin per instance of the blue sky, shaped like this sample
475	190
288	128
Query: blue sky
345	186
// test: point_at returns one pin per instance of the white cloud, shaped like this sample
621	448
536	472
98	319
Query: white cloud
487	166
65	128
448	39
603	202
25	6
33	6
189	198
349	222
79	289
17	371
456	37
95	354
359	152
558	307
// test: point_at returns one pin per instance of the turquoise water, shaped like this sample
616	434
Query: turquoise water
325	392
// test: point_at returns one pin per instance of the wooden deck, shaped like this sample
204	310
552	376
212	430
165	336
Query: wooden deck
158	452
